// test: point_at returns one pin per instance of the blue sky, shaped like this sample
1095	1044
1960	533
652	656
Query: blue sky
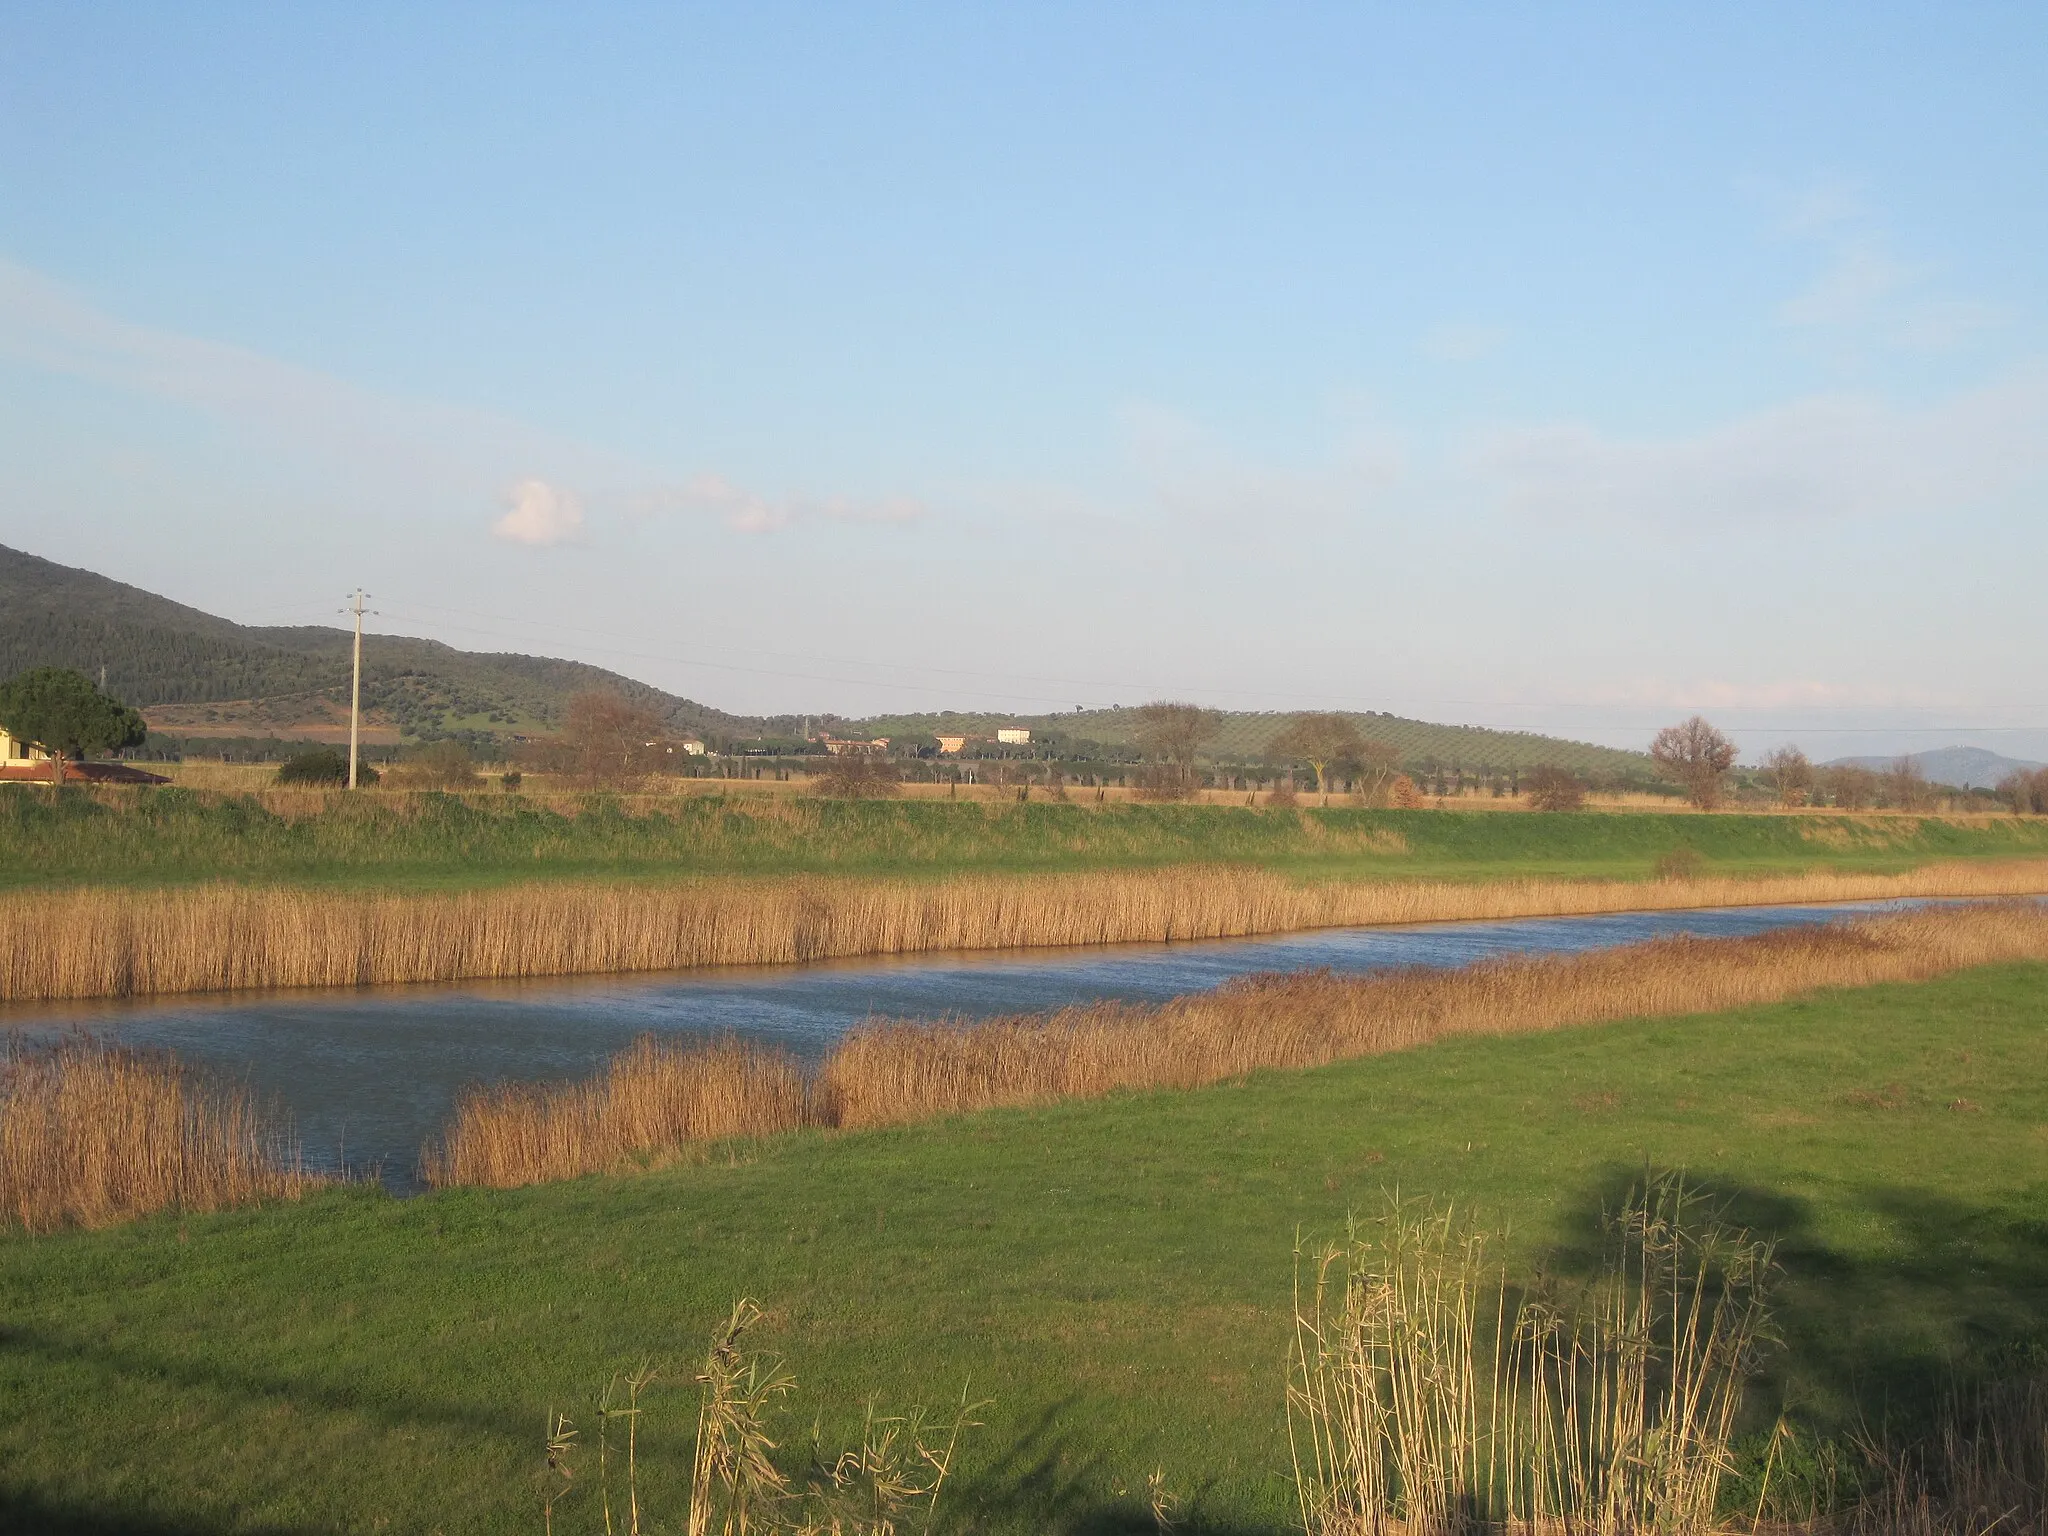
1568	367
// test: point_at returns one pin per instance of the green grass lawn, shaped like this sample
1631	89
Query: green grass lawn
439	841
1114	1274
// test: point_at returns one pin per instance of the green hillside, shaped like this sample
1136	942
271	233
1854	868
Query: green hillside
157	652
1246	737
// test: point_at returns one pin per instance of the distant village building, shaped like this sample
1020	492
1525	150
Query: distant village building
1013	736
693	747
951	744
841	748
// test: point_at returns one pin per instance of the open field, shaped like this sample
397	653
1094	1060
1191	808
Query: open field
1113	1273
158	837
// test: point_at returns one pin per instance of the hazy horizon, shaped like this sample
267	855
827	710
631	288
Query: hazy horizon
1569	372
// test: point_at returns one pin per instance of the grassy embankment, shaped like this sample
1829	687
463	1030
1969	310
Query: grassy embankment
1114	1273
435	842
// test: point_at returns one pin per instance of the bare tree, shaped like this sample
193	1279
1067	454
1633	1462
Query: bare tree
1904	786
1322	741
1171	734
1849	788
1696	756
858	776
1791	775
437	765
604	741
2026	793
1555	789
1376	766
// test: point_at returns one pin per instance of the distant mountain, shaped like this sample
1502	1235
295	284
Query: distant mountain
1962	767
193	673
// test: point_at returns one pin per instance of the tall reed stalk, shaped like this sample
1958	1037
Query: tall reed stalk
118	943
91	1135
1428	1396
661	1095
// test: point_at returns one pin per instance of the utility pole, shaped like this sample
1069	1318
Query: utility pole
355	692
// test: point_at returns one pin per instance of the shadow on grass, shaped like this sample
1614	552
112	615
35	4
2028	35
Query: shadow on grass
1943	1293
25	1510
1046	1480
183	1371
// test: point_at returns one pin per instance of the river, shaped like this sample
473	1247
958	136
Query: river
367	1075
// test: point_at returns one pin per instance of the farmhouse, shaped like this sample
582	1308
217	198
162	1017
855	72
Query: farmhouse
1013	736
840	748
951	744
14	751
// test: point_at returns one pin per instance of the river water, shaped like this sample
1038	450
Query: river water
367	1075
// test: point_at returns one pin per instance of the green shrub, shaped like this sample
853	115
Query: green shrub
323	765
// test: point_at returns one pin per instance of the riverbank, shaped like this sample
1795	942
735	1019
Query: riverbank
1113	1273
120	942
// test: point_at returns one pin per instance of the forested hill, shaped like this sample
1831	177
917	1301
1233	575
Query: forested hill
158	652
204	675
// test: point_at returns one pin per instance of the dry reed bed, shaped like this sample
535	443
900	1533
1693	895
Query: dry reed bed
660	1096
90	1136
115	943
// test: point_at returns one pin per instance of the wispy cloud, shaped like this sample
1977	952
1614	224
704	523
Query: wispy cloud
1945	324
1813	207
1463	343
539	513
376	447
748	511
1829	456
1190	474
1848	292
1863	293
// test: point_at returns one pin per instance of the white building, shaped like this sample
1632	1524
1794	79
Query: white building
1013	736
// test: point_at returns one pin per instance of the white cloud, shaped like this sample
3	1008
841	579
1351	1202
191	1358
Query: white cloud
539	513
1829	456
